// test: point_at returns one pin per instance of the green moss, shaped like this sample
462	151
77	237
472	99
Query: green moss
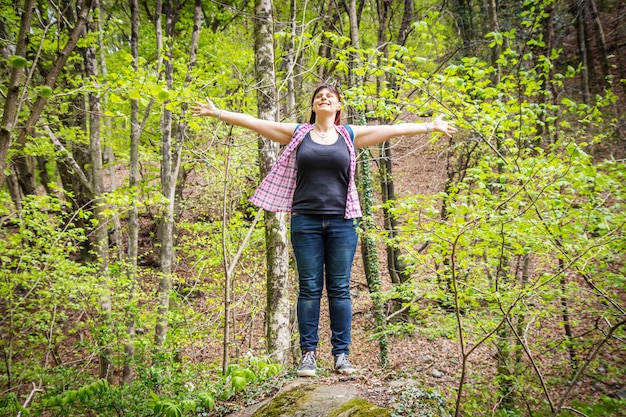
359	407
285	403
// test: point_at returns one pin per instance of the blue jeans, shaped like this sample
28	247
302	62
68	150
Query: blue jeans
324	247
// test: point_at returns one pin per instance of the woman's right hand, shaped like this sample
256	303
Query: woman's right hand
205	109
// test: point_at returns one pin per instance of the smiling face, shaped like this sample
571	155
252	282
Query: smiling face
326	100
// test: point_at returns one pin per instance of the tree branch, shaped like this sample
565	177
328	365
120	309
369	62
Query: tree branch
79	172
583	368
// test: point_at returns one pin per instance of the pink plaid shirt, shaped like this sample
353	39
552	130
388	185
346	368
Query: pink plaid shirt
275	193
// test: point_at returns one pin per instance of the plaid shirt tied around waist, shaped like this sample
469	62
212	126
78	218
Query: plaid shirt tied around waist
275	193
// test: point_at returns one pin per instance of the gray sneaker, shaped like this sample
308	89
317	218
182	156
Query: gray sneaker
307	366
343	365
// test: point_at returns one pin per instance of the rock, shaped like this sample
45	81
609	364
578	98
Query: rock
437	373
306	399
620	394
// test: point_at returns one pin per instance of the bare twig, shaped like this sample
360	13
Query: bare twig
573	410
403	309
30	397
585	364
530	357
79	172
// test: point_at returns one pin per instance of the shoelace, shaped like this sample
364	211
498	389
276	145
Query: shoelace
308	359
342	360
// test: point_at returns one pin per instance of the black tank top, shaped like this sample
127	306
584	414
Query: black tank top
323	176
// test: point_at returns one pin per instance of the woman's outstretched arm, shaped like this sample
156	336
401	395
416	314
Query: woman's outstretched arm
372	135
275	131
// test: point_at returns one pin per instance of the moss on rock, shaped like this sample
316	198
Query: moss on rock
305	399
359	407
286	403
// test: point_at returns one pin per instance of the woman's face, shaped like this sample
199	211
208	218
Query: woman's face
326	100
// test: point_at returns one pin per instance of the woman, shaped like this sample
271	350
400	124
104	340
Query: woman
314	180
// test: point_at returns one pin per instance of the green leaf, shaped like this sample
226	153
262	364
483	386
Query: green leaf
207	400
115	99
44	91
238	384
188	405
17	61
163	95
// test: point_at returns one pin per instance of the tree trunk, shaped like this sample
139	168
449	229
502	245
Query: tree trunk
101	232
578	11
290	64
495	50
465	23
227	271
544	99
601	39
11	103
504	377
170	163
368	244
108	151
133	214
276	240
395	267
607	78
370	256
567	324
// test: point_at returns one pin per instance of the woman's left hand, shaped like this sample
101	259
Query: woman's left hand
205	109
444	127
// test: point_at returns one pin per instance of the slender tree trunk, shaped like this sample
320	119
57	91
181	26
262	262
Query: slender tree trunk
457	164
133	214
504	377
544	99
14	190
276	240
11	102
607	79
465	23
170	163
101	232
495	50
109	154
290	63
579	13
601	39
521	319
407	20
370	256
548	36
567	324
368	243
504	381
395	267
227	271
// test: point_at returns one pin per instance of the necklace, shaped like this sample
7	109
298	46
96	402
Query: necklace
320	134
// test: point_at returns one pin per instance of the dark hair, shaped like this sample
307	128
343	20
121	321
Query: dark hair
332	89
